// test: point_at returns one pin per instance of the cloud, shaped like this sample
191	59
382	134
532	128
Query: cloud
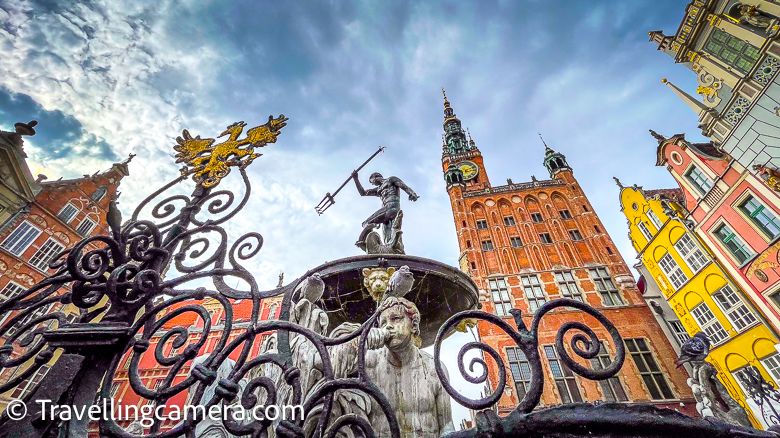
106	79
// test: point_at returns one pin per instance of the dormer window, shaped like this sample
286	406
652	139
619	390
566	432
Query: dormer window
698	179
99	194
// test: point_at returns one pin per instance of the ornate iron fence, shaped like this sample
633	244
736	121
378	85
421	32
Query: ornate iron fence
147	272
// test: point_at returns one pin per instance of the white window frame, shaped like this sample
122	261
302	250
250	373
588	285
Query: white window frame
644	230
533	289
567	285
45	254
503	301
654	219
709	324
3	292
7	242
678	330
738	313
91	228
672	270
73	216
690	252
771	364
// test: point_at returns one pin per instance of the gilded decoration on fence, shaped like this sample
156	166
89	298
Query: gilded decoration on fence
209	163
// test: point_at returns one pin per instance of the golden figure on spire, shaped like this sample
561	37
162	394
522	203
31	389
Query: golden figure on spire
444	93
209	164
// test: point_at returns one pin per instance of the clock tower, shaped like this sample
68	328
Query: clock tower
527	243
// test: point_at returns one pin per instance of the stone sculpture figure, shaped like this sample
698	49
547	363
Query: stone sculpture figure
389	216
713	399
750	15
209	428
403	372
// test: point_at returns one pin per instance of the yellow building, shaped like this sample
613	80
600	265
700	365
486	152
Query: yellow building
698	289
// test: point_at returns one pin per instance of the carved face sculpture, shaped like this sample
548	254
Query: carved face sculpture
401	320
375	280
398	327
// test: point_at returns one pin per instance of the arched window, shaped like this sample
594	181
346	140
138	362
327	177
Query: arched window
100	193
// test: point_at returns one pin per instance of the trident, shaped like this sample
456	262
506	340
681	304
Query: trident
327	201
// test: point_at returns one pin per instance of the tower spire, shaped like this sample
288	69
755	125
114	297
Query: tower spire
547	149
692	102
455	141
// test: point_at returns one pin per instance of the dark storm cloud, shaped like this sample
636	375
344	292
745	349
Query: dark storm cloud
58	135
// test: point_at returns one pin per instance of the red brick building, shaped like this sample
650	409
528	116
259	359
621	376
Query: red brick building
152	373
528	243
42	218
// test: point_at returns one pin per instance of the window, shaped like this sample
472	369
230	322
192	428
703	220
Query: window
473	265
21	238
761	216
463	223
521	370
699	180
736	311
545	238
648	368
99	194
501	298
37	313
597	229
516	242
679	331
533	292
482	224
537	217
609	250
10	290
26	386
734	244
86	226
612	388
731	50
487	245
114	389
772	364
585	207
672	270
575	234
509	221
563	376
565	214
654	219
568	285
606	287
45	254
68	213
645	231
468	244
690	252
709	324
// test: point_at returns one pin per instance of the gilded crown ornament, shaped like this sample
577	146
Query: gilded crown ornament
209	163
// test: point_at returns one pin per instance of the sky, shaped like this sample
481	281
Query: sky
108	78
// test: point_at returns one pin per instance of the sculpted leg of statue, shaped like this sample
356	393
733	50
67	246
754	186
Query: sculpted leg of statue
403	372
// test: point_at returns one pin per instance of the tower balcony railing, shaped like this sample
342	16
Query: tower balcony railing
514	187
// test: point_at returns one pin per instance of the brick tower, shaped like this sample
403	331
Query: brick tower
527	243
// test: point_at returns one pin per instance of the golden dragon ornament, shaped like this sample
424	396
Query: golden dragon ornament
208	163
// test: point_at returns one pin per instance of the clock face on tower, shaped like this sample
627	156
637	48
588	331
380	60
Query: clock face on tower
469	169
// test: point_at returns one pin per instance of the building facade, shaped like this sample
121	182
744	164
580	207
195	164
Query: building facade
42	220
732	47
525	244
699	291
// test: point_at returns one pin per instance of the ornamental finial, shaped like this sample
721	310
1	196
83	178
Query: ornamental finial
444	93
546	148
208	163
618	182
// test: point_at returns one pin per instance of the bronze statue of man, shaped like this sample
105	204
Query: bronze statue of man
389	191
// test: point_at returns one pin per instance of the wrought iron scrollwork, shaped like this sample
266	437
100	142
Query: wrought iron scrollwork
527	340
